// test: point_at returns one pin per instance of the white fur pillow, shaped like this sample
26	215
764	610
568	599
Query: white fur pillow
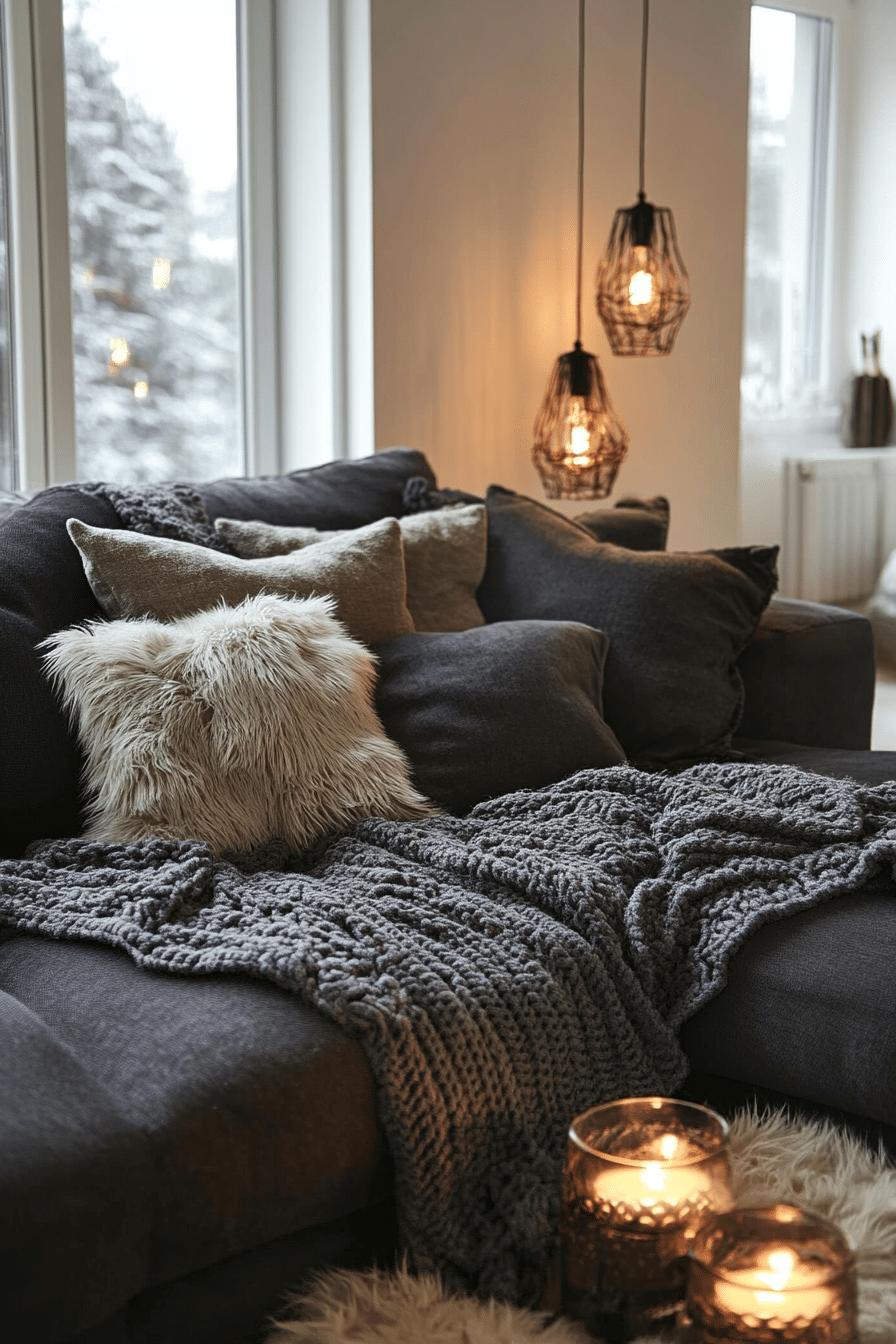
231	726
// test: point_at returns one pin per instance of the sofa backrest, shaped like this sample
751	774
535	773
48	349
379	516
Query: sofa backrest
43	589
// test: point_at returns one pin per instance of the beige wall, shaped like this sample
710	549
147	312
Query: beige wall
474	233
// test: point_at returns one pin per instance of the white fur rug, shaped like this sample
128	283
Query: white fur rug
774	1159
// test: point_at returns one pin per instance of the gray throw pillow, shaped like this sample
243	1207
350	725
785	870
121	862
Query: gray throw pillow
489	711
231	726
639	524
444	556
677	622
133	575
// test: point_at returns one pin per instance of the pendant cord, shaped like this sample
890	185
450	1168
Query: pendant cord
581	173
643	97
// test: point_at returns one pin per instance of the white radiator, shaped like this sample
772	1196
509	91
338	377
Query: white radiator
839	524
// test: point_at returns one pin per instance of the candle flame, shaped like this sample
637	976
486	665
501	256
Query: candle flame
778	1274
668	1146
653	1176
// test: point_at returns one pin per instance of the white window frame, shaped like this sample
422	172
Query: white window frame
833	225
306	263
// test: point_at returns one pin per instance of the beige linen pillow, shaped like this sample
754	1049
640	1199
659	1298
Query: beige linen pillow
231	726
444	553
133	575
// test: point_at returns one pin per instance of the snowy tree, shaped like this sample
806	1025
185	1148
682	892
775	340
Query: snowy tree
154	303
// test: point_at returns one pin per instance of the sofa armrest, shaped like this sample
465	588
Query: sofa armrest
809	676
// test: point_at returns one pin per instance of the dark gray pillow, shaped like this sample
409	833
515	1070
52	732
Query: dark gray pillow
342	494
503	707
677	622
638	524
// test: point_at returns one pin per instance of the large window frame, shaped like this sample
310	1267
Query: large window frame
306	264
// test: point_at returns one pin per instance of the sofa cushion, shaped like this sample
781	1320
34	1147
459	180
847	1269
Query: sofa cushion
637	524
794	672
444	556
336	494
508	706
809	1008
677	622
134	576
259	1115
232	726
77	1185
42	589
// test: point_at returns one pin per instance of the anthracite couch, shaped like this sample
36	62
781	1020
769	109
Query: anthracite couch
175	1153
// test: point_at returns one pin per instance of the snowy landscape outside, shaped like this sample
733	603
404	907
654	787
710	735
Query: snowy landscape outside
151	100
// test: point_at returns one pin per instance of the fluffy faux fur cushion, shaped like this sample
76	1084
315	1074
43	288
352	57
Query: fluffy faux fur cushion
444	555
231	726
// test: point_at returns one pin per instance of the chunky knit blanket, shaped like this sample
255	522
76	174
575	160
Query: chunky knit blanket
502	971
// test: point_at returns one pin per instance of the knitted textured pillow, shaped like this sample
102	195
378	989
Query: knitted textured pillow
134	575
444	555
231	726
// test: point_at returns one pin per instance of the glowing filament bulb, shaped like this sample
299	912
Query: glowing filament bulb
141	389
640	289
161	273
120	355
578	454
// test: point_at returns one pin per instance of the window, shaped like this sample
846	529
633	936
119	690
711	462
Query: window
7	453
153	229
784	369
182	307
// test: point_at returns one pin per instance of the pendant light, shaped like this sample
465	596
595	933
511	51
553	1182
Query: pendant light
642	285
579	440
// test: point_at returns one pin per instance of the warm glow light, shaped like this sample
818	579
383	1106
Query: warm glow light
141	389
668	1146
644	1187
120	355
782	1289
640	289
578	453
87	277
161	273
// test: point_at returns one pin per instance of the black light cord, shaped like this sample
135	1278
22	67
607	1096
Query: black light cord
643	97
581	173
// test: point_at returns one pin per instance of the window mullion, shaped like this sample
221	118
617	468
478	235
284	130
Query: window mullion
259	286
41	272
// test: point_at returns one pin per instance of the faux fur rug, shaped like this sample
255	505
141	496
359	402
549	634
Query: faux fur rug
774	1159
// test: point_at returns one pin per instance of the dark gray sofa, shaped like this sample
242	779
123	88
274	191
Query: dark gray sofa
175	1153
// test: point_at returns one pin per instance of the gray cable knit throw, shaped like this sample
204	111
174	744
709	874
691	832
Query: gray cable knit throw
502	971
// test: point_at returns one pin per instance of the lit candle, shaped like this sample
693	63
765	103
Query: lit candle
645	1186
782	1288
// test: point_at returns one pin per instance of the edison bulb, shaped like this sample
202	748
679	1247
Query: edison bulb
640	289
578	452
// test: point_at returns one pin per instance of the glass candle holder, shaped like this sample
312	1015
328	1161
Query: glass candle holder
766	1276
640	1177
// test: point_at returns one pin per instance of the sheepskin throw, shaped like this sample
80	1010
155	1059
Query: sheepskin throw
233	725
134	575
502	971
444	554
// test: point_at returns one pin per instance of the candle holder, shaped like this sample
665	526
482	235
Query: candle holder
771	1275
640	1177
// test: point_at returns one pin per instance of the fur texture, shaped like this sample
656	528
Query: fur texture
380	1308
774	1159
230	726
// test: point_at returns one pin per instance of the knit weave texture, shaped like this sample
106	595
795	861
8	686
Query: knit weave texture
503	971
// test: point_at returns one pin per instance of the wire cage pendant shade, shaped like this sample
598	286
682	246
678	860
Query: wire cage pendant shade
642	285
580	442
